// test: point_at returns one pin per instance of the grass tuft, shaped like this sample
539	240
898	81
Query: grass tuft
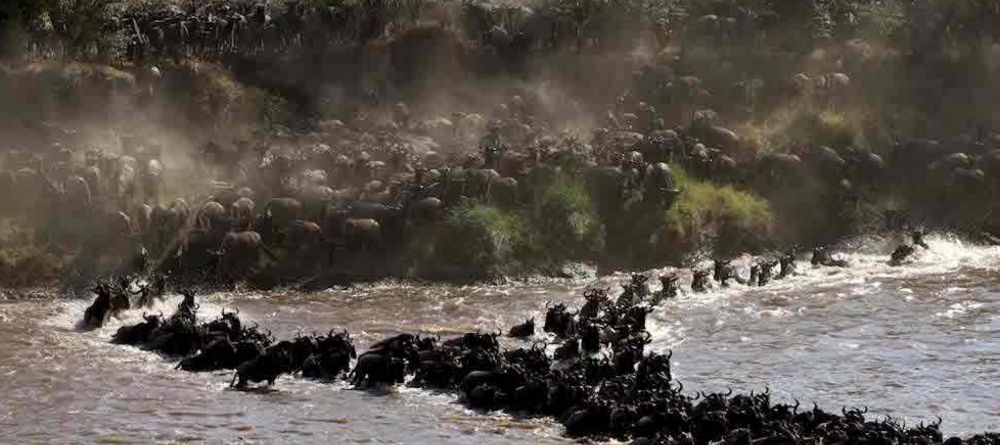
566	222
23	263
706	211
481	235
824	128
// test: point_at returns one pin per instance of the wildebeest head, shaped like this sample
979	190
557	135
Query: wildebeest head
302	348
558	320
636	317
340	341
655	366
720	269
97	313
595	298
229	324
395	342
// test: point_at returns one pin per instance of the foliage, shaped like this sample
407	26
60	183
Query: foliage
23	263
81	29
567	222
706	212
480	235
822	128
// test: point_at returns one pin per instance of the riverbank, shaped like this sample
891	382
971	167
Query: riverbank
493	157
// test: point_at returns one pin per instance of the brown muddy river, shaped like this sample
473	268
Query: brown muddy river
913	342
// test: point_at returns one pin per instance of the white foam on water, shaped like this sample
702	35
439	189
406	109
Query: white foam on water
69	314
869	270
959	309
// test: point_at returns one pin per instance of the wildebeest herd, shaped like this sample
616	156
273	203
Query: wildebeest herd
298	200
589	368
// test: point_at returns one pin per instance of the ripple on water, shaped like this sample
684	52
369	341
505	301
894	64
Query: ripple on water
914	342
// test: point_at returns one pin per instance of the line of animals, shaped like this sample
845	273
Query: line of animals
762	272
124	292
599	380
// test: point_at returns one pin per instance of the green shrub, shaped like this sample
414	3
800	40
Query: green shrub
705	212
23	263
567	224
823	128
480	235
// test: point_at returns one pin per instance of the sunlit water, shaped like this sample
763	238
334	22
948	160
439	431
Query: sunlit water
914	342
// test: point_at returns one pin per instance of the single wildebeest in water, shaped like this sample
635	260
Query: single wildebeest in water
140	333
97	314
332	358
275	361
524	330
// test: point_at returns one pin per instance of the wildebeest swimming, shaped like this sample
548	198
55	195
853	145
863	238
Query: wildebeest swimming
600	382
116	295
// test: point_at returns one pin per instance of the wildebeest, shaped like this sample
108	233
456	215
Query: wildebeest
97	314
524	330
265	368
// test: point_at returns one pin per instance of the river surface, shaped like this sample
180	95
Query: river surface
914	342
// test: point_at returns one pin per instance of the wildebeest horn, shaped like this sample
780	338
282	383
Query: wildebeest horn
767	390
938	424
237	310
815	406
670	354
680	386
547	303
865	411
795	409
730	392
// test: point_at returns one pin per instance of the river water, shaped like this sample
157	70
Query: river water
914	342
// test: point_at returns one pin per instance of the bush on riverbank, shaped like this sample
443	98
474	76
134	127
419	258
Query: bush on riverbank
566	223
475	235
557	224
729	219
24	263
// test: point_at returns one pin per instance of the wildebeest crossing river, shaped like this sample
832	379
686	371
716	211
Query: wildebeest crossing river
914	342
